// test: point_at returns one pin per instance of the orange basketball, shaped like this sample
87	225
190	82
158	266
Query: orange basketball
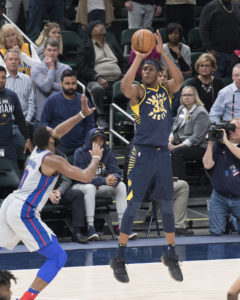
143	40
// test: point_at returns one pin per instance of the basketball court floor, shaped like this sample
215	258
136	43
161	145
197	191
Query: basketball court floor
209	265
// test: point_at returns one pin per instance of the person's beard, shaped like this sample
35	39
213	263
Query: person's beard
69	92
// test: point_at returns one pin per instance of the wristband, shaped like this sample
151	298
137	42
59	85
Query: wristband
81	114
97	156
164	54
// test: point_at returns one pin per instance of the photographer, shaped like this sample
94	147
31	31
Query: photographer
223	161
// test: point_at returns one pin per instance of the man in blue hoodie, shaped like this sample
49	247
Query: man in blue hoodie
107	182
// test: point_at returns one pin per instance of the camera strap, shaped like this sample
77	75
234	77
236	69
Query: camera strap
233	103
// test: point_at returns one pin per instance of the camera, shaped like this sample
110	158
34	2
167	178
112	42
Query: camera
215	133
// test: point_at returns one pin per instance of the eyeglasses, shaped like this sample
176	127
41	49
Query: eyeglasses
187	95
205	66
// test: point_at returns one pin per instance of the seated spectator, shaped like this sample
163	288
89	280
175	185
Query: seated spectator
46	76
180	200
153	55
226	105
187	140
100	64
178	52
11	38
205	82
50	30
222	159
11	107
64	194
62	105
21	84
5	284
107	182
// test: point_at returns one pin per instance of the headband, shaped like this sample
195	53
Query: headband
153	63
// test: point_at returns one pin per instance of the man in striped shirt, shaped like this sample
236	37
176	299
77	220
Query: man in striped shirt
21	84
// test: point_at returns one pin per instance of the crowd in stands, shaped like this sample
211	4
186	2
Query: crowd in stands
37	88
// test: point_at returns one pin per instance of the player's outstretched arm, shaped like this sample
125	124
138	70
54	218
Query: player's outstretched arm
53	164
177	80
67	125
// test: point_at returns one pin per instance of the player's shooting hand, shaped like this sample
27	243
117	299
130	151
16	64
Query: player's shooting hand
96	150
86	110
55	196
159	44
140	54
28	146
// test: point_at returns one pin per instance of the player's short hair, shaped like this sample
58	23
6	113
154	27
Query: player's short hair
40	137
6	277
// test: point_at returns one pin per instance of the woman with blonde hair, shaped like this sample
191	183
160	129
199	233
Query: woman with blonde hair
187	140
50	30
11	38
206	84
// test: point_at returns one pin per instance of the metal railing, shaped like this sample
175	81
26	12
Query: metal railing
112	132
34	45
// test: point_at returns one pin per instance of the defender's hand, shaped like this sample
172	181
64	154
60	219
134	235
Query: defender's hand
86	110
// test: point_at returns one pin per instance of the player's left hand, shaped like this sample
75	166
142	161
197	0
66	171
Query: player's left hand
86	110
159	44
28	146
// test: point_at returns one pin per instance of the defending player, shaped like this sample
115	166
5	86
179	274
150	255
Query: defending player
150	160
19	213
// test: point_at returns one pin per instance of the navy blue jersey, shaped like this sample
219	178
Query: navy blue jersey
153	116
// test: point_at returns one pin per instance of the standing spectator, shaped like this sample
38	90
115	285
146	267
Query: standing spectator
13	8
61	106
219	32
205	82
187	140
5	284
52	10
182	12
106	183
21	84
178	52
222	159
46	76
11	107
226	106
141	12
100	64
50	30
10	38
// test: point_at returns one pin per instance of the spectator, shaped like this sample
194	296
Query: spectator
182	12
21	84
107	182
10	38
178	52
226	105
219	32
100	64
222	159
13	8
141	12
52	10
5	284
50	30
66	195
205	82
63	105
92	10
47	75
11	107
187	140
180	200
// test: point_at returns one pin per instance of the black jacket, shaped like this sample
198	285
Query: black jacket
86	60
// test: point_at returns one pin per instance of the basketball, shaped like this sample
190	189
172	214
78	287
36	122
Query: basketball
143	40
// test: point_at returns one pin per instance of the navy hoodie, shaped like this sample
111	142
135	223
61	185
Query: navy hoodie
107	165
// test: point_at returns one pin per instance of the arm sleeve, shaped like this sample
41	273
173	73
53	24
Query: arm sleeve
30	61
44	81
31	103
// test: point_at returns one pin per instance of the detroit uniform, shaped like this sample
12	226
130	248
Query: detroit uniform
150	160
20	211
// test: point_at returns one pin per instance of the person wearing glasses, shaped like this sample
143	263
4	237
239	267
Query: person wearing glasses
187	140
205	82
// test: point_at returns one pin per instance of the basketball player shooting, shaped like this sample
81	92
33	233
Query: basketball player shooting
150	160
19	214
